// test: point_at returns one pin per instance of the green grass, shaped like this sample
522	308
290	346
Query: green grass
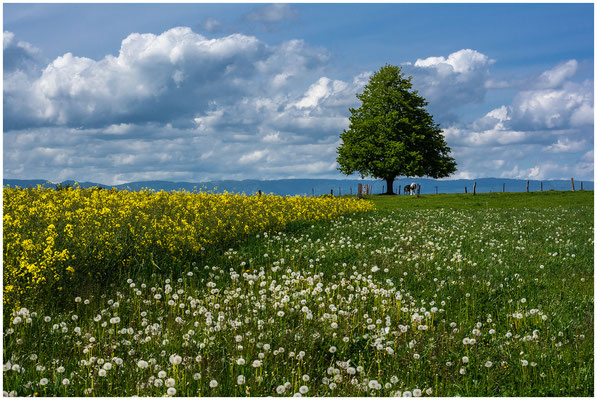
484	200
393	292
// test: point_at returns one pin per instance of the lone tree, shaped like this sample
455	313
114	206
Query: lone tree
391	134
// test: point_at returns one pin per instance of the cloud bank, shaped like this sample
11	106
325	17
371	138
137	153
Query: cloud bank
181	106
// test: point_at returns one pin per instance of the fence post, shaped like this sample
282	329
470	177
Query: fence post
418	190
527	186
332	192
339	191
474	188
313	192
259	192
581	188
399	189
541	185
504	188
360	191
436	190
465	190
572	179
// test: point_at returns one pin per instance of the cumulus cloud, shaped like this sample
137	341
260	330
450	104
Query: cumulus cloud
180	106
571	104
200	108
557	75
451	82
566	145
171	77
19	55
544	133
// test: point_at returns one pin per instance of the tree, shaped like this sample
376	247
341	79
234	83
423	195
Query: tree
391	134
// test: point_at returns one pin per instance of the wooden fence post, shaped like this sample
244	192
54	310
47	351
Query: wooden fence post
527	186
474	188
339	191
259	192
581	188
332	192
436	190
541	185
465	190
313	192
418	190
399	189
504	188
572	180
360	191
383	188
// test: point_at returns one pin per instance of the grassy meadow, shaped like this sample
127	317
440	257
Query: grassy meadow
442	295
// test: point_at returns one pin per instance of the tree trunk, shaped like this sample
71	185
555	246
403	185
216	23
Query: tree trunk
390	186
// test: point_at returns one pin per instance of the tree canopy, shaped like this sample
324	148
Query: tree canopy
391	134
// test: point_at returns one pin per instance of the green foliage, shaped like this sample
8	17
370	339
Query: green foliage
391	134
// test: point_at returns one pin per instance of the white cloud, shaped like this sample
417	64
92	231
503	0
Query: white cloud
320	91
252	157
212	25
18	54
557	75
571	104
170	77
449	83
180	106
544	133
565	145
272	13
463	62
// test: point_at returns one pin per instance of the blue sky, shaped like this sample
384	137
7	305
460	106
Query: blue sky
120	92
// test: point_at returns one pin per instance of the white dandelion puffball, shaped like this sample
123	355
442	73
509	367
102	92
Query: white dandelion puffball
175	359
213	383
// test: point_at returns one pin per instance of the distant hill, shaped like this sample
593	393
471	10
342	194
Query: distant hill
292	187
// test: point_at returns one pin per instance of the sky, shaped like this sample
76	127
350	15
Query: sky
115	93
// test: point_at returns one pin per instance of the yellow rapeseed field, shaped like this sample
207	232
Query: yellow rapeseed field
53	238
